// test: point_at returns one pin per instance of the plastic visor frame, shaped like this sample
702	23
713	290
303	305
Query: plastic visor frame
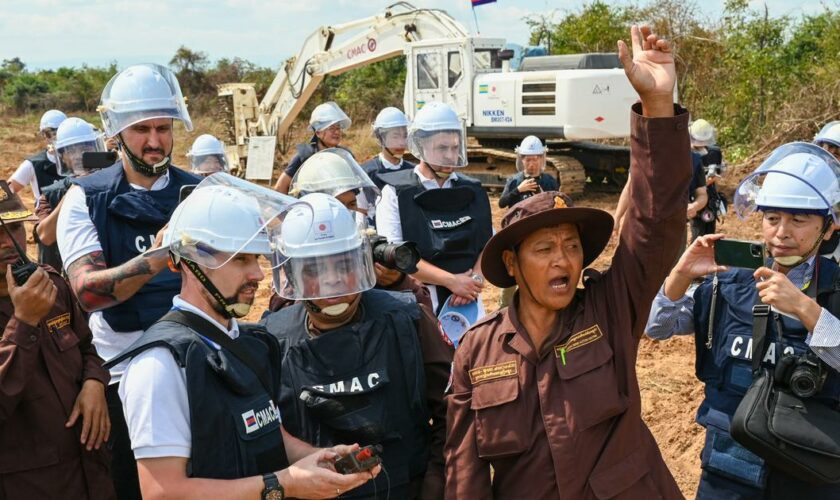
289	281
273	208
747	191
416	143
94	145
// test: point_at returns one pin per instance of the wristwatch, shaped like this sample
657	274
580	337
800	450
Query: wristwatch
478	278
273	489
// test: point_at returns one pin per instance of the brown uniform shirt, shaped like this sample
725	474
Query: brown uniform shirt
566	422
41	373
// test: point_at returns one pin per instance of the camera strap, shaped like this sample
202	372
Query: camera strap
761	313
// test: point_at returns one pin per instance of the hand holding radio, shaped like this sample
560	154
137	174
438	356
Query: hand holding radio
33	299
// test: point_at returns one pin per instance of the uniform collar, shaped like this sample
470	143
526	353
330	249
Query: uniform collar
452	177
387	164
519	340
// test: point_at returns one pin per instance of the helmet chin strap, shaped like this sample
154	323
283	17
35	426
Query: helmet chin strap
236	310
141	166
335	313
791	261
440	175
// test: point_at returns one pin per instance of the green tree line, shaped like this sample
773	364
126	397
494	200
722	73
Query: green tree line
760	79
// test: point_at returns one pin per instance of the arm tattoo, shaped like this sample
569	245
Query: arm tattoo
96	286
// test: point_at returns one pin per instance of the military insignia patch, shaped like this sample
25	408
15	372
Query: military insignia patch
577	340
58	322
493	372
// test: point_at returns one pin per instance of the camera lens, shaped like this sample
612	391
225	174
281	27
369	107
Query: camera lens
803	384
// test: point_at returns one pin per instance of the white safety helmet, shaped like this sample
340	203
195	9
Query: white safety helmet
142	92
391	129
332	171
829	134
390	117
798	177
207	155
702	133
51	119
326	115
436	136
331	257
225	216
530	146
73	138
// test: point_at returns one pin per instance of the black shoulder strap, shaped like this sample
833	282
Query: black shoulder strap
212	332
759	334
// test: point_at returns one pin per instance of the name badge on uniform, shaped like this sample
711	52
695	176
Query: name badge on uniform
58	322
578	340
450	224
493	372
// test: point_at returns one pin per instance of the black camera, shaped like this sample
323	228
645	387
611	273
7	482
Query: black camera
805	374
400	256
94	160
714	170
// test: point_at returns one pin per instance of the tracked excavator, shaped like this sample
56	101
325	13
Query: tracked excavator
575	103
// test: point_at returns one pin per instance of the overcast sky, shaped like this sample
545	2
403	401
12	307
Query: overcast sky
53	33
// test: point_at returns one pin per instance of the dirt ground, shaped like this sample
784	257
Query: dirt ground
670	393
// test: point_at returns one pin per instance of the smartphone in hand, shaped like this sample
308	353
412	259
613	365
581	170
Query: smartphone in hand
739	253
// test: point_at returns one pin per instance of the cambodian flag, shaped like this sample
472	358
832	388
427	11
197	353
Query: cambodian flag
481	2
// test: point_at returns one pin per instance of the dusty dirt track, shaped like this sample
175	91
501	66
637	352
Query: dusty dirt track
670	393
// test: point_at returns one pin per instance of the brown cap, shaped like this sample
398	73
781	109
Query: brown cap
546	209
11	208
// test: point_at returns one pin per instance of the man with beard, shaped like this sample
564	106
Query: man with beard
200	390
110	218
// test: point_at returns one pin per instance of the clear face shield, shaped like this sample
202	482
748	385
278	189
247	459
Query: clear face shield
69	159
333	171
393	139
208	164
530	165
439	148
246	218
327	276
804	177
335	259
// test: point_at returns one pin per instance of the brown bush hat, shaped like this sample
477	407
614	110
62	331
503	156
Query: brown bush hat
11	208
546	209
